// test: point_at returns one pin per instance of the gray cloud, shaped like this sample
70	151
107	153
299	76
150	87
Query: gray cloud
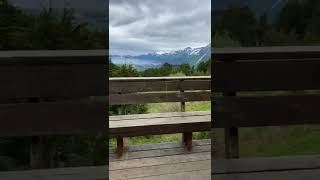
142	26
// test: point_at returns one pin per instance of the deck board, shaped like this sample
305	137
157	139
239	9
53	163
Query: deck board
283	175
162	161
286	167
78	173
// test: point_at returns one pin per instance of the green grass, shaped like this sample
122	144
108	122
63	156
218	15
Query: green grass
275	140
167	107
278	141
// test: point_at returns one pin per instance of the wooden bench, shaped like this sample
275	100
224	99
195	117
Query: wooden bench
252	70
47	93
142	90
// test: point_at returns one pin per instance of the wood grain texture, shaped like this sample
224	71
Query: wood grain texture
284	175
265	111
46	57
157	161
71	80
47	118
118	99
160	170
290	167
266	75
266	53
160	150
160	160
190	175
150	79
160	85
158	115
265	164
160	125
79	173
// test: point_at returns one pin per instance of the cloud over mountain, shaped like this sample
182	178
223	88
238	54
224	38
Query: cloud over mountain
144	26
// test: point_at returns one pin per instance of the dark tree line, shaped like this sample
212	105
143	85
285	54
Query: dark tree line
296	24
166	69
48	30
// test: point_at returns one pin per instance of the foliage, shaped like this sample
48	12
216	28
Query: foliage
296	24
49	30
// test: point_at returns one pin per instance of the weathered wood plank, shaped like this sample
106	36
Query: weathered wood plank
287	167
69	80
169	160
263	53
284	175
79	173
46	118
190	175
37	57
266	75
160	170
161	160
265	111
161	85
159	146
158	115
165	125
282	163
150	79
118	99
159	150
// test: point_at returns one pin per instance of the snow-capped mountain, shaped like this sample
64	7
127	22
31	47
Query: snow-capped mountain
192	56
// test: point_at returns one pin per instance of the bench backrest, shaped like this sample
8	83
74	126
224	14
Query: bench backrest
46	92
141	90
266	69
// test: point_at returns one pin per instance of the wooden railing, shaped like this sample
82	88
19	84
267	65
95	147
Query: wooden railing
253	70
41	92
49	93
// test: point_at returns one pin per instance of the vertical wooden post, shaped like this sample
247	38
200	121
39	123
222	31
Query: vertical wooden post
119	150
186	136
36	153
41	151
231	137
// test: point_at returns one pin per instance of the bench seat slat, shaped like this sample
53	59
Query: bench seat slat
160	125
158	115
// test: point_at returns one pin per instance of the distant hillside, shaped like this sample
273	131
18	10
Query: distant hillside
191	56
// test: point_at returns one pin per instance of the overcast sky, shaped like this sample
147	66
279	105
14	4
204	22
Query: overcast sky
144	26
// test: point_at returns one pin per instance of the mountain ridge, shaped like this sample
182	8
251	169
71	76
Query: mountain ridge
188	55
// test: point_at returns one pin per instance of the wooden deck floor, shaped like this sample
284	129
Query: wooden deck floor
148	162
163	161
285	168
78	173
